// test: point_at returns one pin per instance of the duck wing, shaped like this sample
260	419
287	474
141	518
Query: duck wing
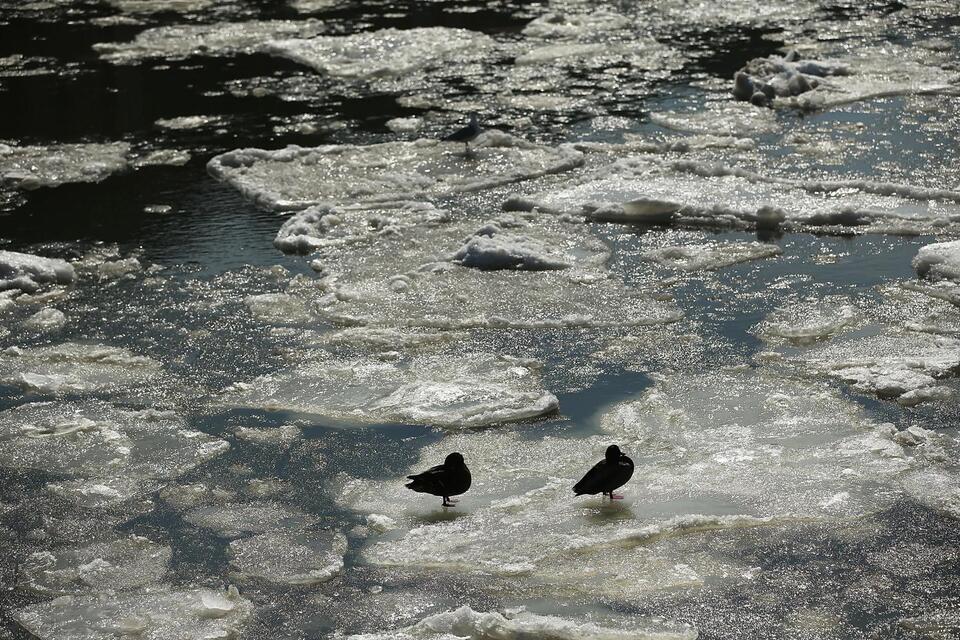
620	473
595	480
432	481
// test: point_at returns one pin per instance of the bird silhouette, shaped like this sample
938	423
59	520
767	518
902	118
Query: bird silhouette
468	133
610	473
448	479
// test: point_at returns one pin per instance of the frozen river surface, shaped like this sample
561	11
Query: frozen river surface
245	289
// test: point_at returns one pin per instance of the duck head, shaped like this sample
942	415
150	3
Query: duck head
454	460
613	453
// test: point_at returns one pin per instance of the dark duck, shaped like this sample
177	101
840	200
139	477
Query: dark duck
610	473
448	479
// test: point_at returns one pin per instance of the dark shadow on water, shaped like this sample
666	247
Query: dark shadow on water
442	514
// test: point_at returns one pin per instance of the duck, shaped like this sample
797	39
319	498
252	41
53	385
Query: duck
466	134
451	478
610	473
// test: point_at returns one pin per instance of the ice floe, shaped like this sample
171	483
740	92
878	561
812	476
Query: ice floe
388	52
793	81
939	260
33	167
720	119
219	39
889	364
325	225
289	557
232	520
298	177
118	565
28	272
47	319
113	454
808	321
468	390
160	613
190	122
721	450
516	624
412	279
74	367
714	255
692	193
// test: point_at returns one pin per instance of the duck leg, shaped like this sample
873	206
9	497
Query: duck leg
447	503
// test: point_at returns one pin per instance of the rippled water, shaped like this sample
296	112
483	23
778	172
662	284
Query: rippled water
209	412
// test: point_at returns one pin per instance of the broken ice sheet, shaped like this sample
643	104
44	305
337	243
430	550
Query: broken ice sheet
159	613
450	390
289	557
233	520
698	194
518	623
74	367
388	52
325	225
29	273
808	320
33	167
298	177
712	255
892	363
800	82
118	565
177	42
113	454
412	279
715	451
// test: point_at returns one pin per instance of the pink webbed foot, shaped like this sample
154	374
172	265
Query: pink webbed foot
616	496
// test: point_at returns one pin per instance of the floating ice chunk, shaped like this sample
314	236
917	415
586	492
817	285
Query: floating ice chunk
162	6
119	565
312	6
114	453
234	520
73	367
819	84
153	614
405	125
714	255
723	118
188	496
219	39
795	438
297	177
190	122
28	272
51	166
407	280
289	557
107	263
278	308
698	194
467	623
889	364
937	489
324	225
808	321
493	247
715	452
557	26
939	260
453	391
388	52
47	319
